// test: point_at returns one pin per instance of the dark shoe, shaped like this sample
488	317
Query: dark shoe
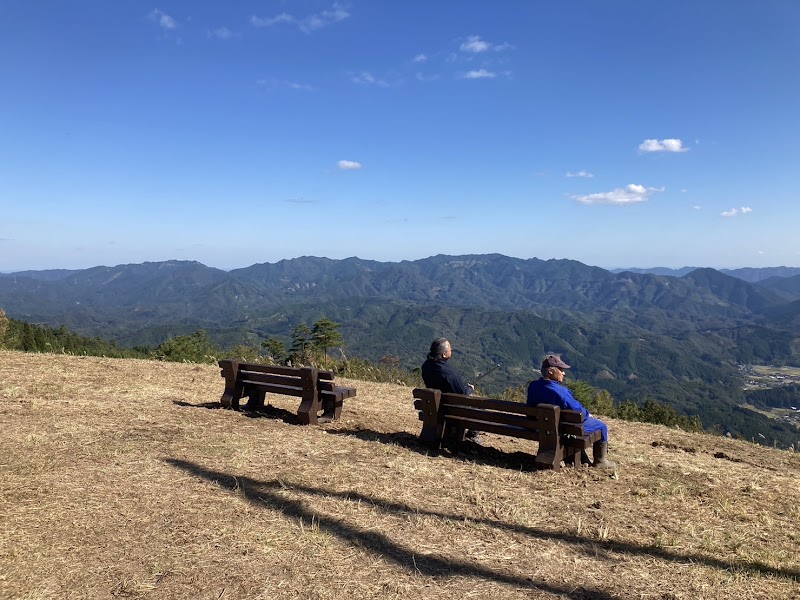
600	451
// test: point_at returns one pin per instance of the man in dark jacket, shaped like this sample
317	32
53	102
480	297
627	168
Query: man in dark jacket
549	389
438	375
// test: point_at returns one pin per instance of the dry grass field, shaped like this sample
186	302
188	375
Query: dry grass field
120	479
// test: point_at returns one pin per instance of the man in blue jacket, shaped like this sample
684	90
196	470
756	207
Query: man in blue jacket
549	389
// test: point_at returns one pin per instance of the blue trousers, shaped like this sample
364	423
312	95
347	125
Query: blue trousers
592	424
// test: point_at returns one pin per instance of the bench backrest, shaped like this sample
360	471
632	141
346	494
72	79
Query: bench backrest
292	381
545	420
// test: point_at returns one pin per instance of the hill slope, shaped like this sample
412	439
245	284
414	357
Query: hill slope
119	479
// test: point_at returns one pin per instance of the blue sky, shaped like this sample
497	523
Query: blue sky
618	133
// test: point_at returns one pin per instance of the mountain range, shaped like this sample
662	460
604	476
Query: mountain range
637	334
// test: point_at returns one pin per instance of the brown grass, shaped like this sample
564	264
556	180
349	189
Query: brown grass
119	480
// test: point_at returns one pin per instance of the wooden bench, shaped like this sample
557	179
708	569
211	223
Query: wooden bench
317	390
560	433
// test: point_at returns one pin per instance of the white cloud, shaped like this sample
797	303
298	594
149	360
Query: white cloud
299	201
299	86
666	145
163	19
313	22
420	58
270	21
479	74
349	165
630	194
222	33
584	174
475	45
272	84
697	207
424	78
367	78
735	212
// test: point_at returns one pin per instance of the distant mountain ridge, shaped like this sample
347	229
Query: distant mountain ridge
749	274
677	339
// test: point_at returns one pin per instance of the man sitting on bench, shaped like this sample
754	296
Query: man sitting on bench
549	390
438	375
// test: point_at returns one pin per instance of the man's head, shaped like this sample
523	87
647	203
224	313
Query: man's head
554	368
440	349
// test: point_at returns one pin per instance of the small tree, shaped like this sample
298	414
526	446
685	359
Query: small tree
324	335
301	340
244	353
193	348
275	349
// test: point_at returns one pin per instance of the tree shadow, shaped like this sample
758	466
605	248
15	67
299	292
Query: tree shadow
261	412
268	494
259	492
466	450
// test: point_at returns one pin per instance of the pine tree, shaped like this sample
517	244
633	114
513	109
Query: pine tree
301	340
275	348
324	335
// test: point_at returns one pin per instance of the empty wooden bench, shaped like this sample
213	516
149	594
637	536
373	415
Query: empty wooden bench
315	388
446	417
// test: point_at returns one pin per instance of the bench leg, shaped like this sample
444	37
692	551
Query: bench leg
307	412
550	458
256	400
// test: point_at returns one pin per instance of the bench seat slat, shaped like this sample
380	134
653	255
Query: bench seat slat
272	388
489	404
492	427
273	369
270	378
520	421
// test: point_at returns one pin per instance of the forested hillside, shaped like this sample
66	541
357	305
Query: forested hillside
673	339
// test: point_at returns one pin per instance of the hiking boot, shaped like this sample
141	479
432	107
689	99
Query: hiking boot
600	451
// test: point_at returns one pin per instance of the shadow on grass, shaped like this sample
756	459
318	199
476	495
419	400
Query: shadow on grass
268	494
258	492
262	412
487	455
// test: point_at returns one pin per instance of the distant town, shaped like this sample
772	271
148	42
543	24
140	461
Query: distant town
762	377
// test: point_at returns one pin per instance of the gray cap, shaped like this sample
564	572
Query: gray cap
554	361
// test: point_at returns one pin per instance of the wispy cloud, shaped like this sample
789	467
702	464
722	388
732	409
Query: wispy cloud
584	174
270	21
630	194
665	145
349	165
294	85
420	58
735	212
223	33
479	74
474	44
367	78
423	77
282	83
299	201
162	19
336	13
697	207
